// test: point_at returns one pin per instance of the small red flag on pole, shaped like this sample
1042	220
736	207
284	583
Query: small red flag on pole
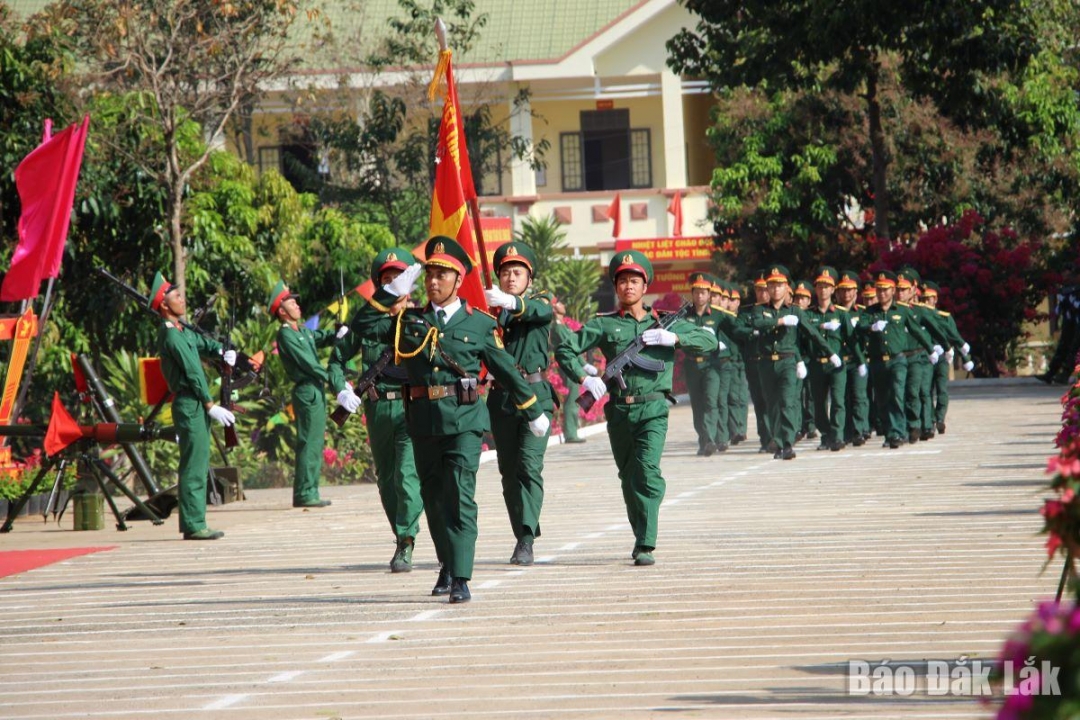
614	213
675	208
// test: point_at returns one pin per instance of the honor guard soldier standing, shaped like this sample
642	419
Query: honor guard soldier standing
384	414
525	317
857	425
780	328
939	393
892	334
442	346
637	417
297	347
192	406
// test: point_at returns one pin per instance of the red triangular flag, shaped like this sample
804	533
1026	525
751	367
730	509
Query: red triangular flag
675	208
613	213
63	430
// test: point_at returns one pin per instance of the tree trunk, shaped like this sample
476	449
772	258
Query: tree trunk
176	235
879	151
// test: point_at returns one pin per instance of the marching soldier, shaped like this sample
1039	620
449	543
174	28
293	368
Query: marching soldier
892	334
869	297
297	347
384	414
780	328
442	346
920	366
752	351
940	392
525	316
738	398
192	406
857	425
569	408
637	417
801	297
701	373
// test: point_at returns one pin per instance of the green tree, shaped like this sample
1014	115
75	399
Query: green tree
573	280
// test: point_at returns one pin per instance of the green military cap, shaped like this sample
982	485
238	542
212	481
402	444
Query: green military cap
158	288
279	294
849	279
735	290
777	274
392	258
885	278
630	261
869	291
930	288
442	251
722	287
827	275
759	279
803	287
702	280
515	252
907	277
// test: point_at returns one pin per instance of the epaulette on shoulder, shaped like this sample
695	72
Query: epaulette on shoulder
542	296
485	312
943	313
609	313
840	308
726	312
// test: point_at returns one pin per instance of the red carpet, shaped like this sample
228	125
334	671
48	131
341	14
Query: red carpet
17	561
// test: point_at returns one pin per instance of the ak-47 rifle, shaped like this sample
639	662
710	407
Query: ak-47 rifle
631	355
245	371
383	366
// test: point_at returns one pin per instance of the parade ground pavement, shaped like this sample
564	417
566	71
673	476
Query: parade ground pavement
772	578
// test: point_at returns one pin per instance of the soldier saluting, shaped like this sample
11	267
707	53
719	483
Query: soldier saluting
637	416
442	346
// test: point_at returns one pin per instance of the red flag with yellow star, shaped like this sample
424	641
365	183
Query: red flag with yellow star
453	182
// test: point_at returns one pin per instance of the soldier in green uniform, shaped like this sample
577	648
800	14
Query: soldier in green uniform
939	394
869	297
384	414
525	316
701	373
780	328
892	333
442	346
637	417
297	346
739	396
829	384
571	420
857	424
752	351
801	298
917	405
192	406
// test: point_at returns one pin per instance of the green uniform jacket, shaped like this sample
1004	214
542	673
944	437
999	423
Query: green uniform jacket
297	350
180	364
777	339
843	341
613	331
370	350
952	333
931	322
527	337
469	339
714	320
902	334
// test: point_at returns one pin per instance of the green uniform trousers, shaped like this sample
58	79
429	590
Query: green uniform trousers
571	421
309	404
703	387
781	394
738	401
521	466
637	435
757	398
806	404
890	380
447	466
193	433
858	403
939	391
828	388
395	468
917	391
726	378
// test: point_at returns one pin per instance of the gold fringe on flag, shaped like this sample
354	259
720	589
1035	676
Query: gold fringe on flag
440	73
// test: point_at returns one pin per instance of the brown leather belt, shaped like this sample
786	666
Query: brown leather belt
912	353
432	392
780	356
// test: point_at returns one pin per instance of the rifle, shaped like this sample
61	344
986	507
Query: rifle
248	368
631	356
366	382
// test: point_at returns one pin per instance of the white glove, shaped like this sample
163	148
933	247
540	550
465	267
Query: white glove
595	387
835	360
720	346
659	336
790	320
831	326
969	366
498	298
862	370
878	326
800	370
229	356
938	350
539	426
221	415
965	349
404	283
591	370
342	332
950	355
349	400
934	357
855	321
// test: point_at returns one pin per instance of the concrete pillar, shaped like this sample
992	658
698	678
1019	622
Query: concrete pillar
674	130
522	176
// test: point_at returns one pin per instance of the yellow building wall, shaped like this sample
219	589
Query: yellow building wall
700	158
